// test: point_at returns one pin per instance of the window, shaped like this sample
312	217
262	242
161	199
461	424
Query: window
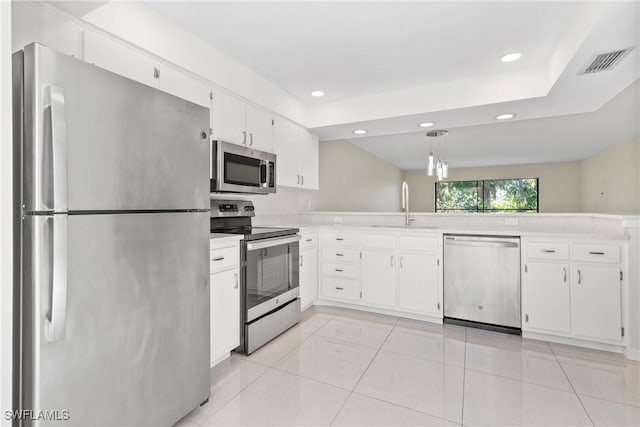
496	195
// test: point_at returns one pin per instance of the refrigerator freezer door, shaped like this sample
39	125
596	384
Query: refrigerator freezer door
133	345
96	141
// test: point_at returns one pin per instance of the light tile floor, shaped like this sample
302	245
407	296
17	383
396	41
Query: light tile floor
350	368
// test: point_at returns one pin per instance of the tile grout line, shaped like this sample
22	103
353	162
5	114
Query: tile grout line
365	370
237	394
571	384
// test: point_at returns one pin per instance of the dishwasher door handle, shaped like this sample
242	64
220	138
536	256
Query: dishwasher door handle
482	243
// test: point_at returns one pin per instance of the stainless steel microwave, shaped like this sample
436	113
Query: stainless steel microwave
239	169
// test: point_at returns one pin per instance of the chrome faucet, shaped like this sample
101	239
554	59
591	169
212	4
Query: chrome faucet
405	203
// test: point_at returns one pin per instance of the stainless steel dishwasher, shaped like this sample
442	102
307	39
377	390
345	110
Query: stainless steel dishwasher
482	281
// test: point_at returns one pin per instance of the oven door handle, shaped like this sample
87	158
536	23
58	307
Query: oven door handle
268	243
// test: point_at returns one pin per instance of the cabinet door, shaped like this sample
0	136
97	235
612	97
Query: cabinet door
33	22
308	159
379	277
547	297
419	283
595	297
228	118
225	314
285	143
180	84
118	58
308	276
259	129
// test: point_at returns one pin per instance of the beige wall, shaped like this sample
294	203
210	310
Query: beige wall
611	180
352	179
559	184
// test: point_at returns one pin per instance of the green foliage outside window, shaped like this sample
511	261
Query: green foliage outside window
497	195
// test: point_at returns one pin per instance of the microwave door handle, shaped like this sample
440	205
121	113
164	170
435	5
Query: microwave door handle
264	165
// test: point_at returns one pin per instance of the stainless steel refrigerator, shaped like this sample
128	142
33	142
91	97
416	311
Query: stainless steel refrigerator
112	252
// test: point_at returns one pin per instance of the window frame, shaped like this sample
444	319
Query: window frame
481	187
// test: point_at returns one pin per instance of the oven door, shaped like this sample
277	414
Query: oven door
239	169
271	276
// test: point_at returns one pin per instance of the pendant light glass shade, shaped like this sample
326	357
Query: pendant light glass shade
441	167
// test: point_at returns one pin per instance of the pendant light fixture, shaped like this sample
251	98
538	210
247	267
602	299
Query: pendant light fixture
440	166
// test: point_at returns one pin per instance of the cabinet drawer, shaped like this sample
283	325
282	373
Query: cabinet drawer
340	254
596	252
341	239
308	241
548	250
351	271
224	259
341	288
419	243
378	241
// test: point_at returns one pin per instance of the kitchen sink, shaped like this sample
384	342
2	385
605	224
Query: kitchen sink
417	227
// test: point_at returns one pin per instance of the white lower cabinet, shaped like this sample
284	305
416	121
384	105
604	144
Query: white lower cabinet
308	277
225	299
225	314
419	284
379	277
595	297
548	296
573	290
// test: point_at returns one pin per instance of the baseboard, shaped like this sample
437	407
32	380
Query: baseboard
378	310
632	353
574	342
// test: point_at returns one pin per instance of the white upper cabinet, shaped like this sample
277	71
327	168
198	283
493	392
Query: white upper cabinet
259	128
298	156
228	117
179	83
119	58
31	22
235	121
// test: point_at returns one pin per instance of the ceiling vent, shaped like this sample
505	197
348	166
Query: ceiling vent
604	61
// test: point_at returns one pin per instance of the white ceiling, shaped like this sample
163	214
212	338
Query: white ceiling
552	139
352	49
386	66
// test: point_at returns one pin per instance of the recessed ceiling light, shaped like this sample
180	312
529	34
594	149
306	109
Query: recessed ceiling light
505	116
360	131
317	93
510	57
426	125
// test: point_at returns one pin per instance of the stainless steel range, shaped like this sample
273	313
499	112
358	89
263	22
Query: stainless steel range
269	273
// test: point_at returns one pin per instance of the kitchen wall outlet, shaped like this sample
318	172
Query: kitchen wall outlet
511	221
337	220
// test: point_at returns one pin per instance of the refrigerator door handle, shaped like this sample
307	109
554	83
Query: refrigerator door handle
54	106
56	318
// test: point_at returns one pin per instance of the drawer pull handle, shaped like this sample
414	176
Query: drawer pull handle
549	251
339	270
339	239
596	253
339	254
309	240
220	258
339	288
564	273
579	277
